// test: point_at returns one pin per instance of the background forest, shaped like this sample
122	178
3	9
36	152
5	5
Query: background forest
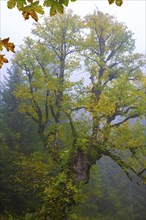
72	123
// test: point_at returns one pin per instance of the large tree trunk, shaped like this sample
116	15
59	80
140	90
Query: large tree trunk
81	166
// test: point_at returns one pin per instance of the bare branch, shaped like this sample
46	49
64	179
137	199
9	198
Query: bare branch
141	172
125	167
31	116
126	119
76	109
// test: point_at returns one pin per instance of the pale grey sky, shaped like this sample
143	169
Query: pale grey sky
132	13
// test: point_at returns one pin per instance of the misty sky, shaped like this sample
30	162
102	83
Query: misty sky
132	13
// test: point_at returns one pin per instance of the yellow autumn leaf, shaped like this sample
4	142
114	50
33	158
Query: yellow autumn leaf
1	48
32	10
2	60
29	12
119	2
25	15
111	1
8	45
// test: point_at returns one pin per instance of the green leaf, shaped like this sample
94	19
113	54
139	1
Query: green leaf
48	3
53	9
34	3
64	2
20	4
60	8
38	9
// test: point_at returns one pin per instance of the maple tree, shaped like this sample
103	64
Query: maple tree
78	123
33	8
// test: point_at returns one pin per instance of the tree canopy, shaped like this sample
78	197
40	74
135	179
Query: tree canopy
80	122
31	8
